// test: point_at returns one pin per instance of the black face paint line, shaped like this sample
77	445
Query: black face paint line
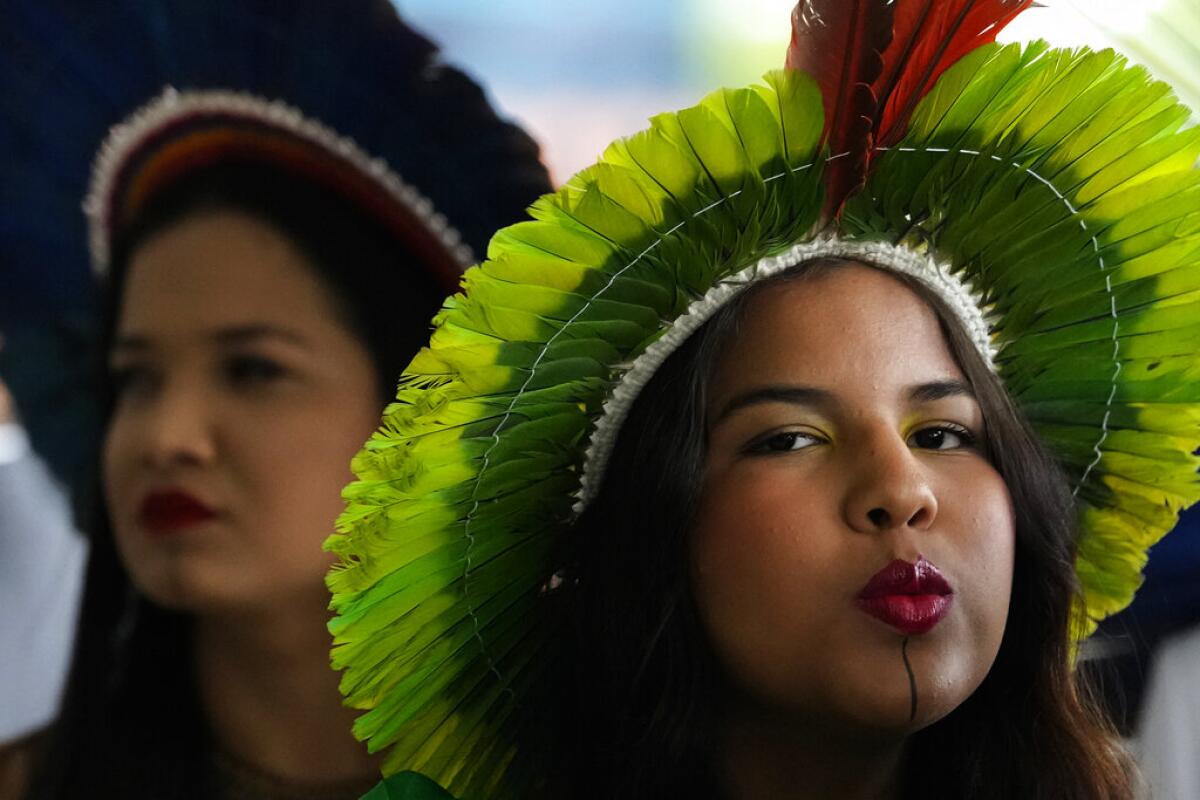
912	680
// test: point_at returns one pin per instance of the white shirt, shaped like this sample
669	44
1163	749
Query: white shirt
42	560
1168	742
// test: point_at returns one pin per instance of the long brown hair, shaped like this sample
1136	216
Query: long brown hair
630	713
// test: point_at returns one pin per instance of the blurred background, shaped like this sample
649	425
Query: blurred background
580	74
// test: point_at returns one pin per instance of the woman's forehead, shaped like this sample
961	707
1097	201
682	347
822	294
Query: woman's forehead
224	271
847	329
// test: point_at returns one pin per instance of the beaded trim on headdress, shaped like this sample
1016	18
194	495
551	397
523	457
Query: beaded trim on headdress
144	131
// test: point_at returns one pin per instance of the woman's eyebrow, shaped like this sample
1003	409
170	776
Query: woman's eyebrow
795	395
940	390
244	334
130	344
824	399
230	336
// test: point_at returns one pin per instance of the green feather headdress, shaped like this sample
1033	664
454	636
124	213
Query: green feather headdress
1060	185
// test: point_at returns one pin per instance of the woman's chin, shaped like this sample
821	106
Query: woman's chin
882	714
185	586
178	593
896	702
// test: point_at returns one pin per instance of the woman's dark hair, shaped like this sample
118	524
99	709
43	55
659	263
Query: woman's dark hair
131	723
630	714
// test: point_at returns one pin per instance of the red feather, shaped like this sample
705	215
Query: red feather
839	43
875	60
930	37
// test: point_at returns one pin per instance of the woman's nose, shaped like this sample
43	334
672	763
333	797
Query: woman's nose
889	489
179	427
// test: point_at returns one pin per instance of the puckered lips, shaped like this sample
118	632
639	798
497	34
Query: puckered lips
171	511
912	598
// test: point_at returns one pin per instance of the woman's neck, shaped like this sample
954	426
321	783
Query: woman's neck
768	757
271	698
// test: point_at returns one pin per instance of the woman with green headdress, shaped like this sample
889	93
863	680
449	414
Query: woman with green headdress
793	448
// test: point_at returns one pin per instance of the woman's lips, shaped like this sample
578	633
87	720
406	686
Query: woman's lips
912	598
172	511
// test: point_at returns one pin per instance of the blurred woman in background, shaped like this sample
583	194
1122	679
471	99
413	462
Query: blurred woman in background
249	351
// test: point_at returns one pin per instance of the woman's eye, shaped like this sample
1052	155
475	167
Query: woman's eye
785	442
250	370
941	437
128	379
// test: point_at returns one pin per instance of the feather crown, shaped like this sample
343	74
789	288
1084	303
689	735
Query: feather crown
179	132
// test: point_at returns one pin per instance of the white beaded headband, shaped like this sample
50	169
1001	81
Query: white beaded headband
923	267
126	138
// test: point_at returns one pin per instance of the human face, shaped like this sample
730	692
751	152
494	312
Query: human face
242	398
843	437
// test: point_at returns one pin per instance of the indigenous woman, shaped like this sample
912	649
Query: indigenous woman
792	450
248	354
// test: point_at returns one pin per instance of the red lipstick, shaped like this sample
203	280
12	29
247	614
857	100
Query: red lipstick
912	598
172	511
